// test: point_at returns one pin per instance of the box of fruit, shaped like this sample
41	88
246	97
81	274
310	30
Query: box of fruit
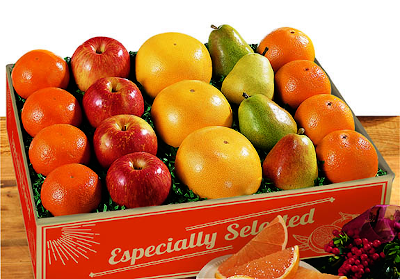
149	164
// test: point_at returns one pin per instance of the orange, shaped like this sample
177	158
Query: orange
286	44
186	106
170	57
57	145
347	155
218	162
50	105
300	79
305	273
71	189
240	277
278	265
38	69
321	114
271	239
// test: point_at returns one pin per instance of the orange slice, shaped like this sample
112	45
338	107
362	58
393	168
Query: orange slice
279	265
271	239
303	272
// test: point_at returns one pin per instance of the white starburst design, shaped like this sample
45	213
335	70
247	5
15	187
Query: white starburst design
75	242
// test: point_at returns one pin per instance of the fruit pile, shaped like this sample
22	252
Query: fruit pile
181	120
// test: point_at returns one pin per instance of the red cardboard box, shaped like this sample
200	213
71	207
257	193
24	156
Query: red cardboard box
177	240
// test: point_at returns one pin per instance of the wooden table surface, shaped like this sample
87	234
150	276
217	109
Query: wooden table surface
15	258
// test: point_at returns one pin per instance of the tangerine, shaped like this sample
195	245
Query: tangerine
347	155
47	106
186	106
278	265
57	145
218	162
286	44
38	69
323	113
71	189
271	239
170	57
300	79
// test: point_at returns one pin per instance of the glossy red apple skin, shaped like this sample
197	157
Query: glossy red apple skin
99	57
111	96
122	134
138	179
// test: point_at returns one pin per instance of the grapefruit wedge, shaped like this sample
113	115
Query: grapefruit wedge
303	272
279	265
271	239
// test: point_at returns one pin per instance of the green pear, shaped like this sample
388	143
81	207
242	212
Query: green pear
252	74
292	163
263	121
226	47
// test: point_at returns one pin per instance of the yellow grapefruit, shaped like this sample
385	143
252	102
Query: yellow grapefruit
170	57
218	162
186	106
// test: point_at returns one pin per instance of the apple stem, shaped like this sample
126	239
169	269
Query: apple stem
245	95
301	131
124	128
114	88
214	27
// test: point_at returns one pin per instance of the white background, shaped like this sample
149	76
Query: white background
357	42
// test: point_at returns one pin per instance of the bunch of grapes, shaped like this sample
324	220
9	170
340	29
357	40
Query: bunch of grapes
359	254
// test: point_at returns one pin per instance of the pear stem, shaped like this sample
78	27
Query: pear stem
301	131
214	27
265	51
245	95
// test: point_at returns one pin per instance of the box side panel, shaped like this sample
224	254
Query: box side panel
21	168
179	241
39	251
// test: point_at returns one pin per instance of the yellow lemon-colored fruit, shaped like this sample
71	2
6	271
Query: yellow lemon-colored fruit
218	162
186	106
170	57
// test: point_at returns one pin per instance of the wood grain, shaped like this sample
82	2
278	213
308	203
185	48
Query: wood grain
384	131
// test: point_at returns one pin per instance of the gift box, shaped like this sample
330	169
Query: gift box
177	240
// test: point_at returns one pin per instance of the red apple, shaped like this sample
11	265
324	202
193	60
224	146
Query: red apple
121	134
99	57
138	179
111	96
